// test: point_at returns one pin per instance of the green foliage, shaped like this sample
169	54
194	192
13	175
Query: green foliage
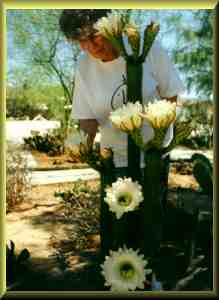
198	112
50	143
28	100
79	191
203	173
200	138
17	177
43	53
200	118
194	50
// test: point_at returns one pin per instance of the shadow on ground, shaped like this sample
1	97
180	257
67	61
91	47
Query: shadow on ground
86	276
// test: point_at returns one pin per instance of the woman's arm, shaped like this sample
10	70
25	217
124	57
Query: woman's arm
171	99
89	126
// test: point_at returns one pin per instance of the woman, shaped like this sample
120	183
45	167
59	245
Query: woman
99	81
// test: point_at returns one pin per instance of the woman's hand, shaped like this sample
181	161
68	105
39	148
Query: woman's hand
89	126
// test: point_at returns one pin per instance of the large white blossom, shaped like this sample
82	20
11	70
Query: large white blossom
124	195
127	118
160	113
109	26
125	270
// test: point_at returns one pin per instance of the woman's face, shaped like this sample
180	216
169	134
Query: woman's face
99	47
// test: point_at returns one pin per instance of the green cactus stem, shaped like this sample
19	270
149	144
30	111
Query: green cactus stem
134	94
107	177
134	73
124	229
152	213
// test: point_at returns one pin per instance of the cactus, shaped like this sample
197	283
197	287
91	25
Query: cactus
203	173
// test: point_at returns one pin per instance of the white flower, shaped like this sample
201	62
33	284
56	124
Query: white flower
160	114
124	195
127	118
124	270
112	25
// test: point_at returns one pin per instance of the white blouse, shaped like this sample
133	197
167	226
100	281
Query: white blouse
99	84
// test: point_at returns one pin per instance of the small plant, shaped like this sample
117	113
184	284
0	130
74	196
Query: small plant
18	177
50	143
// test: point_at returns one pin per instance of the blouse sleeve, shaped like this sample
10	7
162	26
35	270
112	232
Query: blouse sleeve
81	103
169	82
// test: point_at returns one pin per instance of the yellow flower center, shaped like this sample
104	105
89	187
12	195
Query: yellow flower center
127	271
125	199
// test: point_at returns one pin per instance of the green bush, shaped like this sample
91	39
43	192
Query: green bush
20	109
200	116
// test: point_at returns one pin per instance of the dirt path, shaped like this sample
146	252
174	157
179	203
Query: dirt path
39	225
32	224
36	221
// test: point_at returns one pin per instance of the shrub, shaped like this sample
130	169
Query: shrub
51	143
17	176
81	208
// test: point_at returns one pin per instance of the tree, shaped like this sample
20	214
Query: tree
39	45
193	51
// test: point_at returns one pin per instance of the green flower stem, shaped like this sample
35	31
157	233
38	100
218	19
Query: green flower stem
135	45
118	44
181	131
137	138
149	37
156	142
152	213
134	93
